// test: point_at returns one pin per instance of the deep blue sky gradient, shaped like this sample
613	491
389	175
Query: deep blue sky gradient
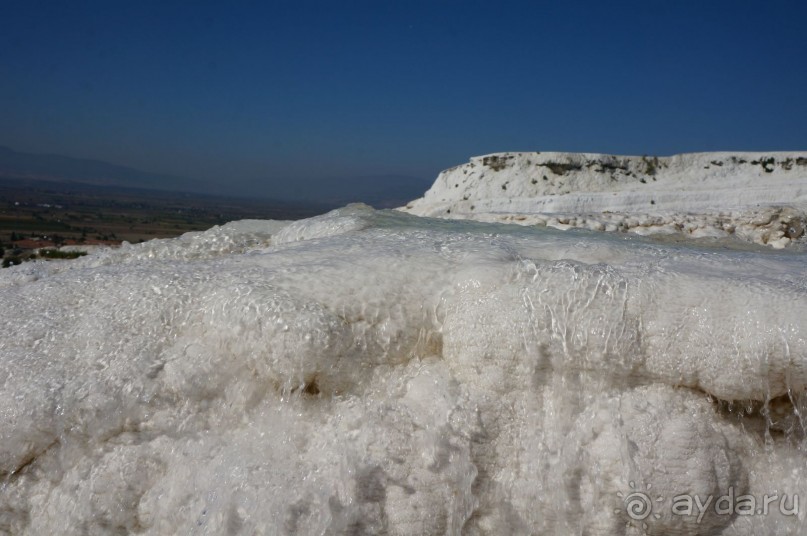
256	93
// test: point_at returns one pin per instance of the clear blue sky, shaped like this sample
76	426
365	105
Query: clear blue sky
275	91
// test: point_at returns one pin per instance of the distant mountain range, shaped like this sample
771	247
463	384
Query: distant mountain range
51	167
381	191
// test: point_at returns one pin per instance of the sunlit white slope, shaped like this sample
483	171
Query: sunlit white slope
759	197
370	372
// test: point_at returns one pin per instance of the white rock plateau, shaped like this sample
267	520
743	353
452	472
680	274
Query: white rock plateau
758	197
376	372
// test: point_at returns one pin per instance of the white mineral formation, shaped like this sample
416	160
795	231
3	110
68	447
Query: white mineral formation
376	372
757	197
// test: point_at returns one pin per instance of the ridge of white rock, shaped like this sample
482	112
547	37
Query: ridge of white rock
757	197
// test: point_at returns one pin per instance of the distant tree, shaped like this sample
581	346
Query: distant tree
11	260
57	254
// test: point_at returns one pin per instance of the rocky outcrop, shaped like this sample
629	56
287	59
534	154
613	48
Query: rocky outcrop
757	197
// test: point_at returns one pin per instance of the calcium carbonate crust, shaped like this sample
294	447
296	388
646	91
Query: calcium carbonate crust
756	197
371	372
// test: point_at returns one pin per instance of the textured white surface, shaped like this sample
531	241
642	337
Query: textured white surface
757	197
366	372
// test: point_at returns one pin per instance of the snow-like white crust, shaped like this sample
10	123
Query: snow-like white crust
368	372
757	197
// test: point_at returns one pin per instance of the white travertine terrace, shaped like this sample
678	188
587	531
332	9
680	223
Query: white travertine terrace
757	197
